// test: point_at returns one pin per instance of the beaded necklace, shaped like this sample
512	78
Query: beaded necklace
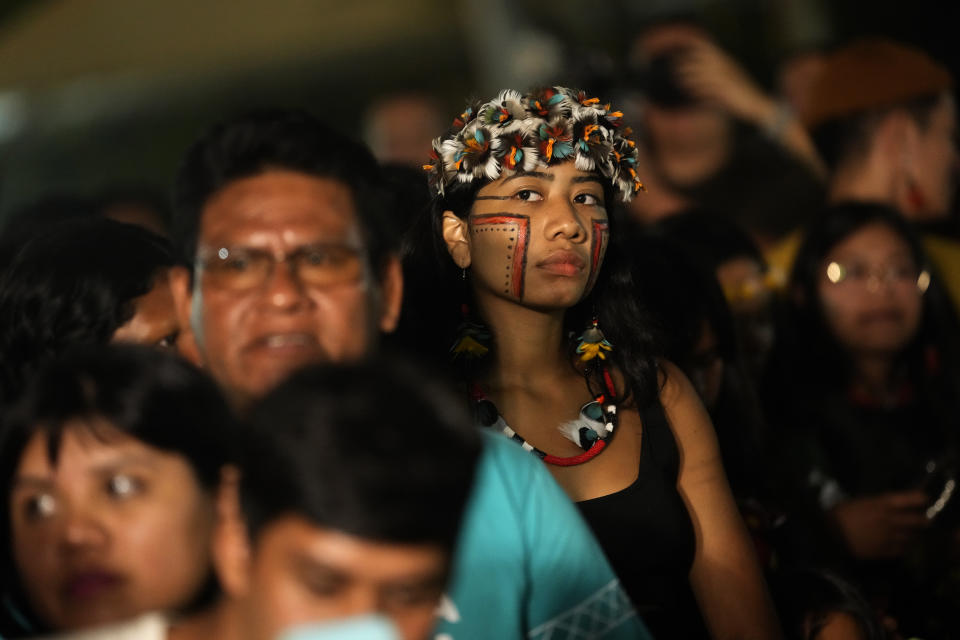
591	441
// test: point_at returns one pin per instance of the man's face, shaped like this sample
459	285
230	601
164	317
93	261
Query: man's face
282	280
298	573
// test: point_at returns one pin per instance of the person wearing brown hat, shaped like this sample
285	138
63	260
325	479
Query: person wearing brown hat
883	117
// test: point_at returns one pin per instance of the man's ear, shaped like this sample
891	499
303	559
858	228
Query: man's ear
456	233
182	292
391	294
231	542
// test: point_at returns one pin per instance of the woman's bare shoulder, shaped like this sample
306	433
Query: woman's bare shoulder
685	412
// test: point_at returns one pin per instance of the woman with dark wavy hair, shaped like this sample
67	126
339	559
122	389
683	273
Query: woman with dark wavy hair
518	266
862	395
82	282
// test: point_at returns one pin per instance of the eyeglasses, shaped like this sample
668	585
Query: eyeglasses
316	265
870	277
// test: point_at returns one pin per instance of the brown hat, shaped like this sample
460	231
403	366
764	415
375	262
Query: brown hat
871	73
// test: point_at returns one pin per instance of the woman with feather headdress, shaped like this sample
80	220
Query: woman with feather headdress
518	266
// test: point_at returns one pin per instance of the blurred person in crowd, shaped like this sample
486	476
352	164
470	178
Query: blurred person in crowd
108	489
521	250
293	245
725	333
340	509
796	73
729	252
81	282
688	304
712	137
410	193
862	398
883	117
290	236
397	127
820	605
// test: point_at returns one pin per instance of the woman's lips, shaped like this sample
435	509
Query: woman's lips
881	316
563	263
90	584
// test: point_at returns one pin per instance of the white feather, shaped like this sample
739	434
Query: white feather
584	162
571	429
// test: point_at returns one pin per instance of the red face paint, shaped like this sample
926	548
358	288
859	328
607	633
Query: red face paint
598	247
518	227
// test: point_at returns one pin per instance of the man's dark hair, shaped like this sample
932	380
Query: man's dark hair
374	450
842	139
147	394
290	140
74	284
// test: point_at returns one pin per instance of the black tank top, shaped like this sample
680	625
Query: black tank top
648	536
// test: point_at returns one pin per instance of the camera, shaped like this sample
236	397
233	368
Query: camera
658	81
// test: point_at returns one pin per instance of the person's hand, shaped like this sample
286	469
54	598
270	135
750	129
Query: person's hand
711	75
882	526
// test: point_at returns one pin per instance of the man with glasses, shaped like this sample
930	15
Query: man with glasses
290	250
292	247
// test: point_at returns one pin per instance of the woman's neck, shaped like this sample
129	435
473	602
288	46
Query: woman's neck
874	373
530	343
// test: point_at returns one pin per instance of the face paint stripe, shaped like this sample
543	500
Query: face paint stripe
520	257
521	225
601	230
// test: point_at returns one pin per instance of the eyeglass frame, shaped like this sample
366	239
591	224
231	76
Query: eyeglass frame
837	274
207	255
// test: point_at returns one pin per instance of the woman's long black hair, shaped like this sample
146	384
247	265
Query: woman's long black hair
437	290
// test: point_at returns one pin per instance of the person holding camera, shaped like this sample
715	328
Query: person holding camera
713	137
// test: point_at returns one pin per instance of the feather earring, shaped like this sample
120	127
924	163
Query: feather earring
472	336
593	343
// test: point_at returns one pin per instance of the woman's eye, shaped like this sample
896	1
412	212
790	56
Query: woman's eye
858	272
169	341
122	485
528	195
408	597
42	505
587	199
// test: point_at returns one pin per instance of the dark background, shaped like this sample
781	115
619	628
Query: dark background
99	92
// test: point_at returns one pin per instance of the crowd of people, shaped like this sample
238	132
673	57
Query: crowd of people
697	378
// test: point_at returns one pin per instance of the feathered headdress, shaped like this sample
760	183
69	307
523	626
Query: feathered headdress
514	132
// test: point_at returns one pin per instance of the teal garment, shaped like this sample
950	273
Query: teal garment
527	565
369	627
